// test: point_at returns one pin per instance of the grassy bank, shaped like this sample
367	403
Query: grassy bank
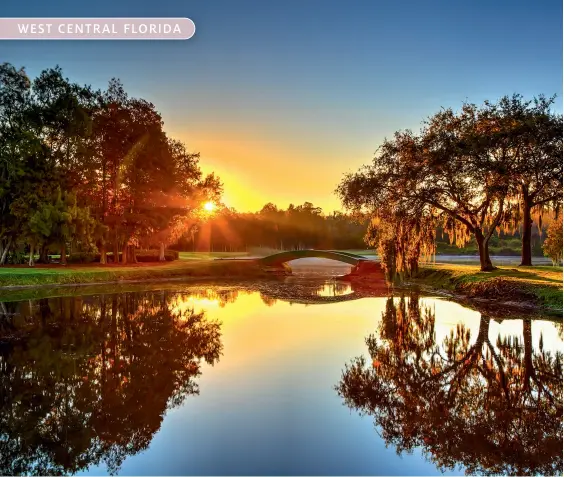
210	255
96	273
540	286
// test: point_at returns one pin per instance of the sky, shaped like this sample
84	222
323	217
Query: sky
281	98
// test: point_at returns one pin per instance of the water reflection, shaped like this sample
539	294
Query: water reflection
334	289
491	408
88	381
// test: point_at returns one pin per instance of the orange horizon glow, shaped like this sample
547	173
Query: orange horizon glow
256	168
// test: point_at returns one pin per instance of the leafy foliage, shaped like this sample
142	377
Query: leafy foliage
83	169
553	245
462	172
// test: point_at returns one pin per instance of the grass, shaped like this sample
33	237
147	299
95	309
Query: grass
540	286
210	255
96	273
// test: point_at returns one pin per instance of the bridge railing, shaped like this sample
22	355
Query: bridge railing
283	257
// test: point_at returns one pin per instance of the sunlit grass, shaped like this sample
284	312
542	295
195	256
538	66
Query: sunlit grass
37	276
543	282
210	255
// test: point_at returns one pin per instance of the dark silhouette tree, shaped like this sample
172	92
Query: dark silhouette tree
535	161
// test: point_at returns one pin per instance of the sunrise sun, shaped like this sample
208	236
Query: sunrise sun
209	206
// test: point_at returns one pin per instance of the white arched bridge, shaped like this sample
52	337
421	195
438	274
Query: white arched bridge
284	257
361	265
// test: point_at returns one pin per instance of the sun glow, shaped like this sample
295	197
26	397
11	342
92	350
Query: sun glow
209	206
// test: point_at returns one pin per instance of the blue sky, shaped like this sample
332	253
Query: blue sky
282	97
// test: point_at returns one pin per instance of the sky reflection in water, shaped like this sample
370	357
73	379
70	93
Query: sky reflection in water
257	384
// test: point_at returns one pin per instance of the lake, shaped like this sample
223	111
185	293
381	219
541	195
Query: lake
297	376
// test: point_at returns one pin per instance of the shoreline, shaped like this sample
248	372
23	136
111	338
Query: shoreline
536	289
14	278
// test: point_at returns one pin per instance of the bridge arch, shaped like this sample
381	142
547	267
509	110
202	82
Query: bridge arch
283	257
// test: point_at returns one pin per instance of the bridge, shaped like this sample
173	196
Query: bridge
284	257
361	266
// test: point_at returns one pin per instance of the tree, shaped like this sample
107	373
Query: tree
401	240
553	244
17	146
147	183
460	170
432	175
535	165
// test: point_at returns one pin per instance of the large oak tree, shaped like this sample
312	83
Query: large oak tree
464	170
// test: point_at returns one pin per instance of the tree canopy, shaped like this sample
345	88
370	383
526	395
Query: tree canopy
89	169
473	172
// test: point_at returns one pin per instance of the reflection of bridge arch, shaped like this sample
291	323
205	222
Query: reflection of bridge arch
283	257
320	300
310	293
314	299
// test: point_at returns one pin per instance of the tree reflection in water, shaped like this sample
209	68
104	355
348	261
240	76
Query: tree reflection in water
84	382
491	409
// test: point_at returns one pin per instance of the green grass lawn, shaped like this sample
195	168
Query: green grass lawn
96	273
210	255
541	285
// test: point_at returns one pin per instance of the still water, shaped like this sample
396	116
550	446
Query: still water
300	377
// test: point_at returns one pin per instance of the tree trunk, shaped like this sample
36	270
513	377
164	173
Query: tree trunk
162	257
63	254
43	255
103	258
116	250
5	251
31	261
485	261
124	255
526	252
528	353
132	255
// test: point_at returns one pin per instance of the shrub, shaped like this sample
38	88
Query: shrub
83	257
142	256
507	251
16	257
153	255
553	244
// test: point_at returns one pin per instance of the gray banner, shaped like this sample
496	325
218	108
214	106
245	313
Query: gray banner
96	28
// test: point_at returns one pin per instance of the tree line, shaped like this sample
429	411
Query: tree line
297	227
475	172
86	169
307	226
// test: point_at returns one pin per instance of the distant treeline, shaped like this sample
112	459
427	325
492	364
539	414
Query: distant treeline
297	227
306	226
